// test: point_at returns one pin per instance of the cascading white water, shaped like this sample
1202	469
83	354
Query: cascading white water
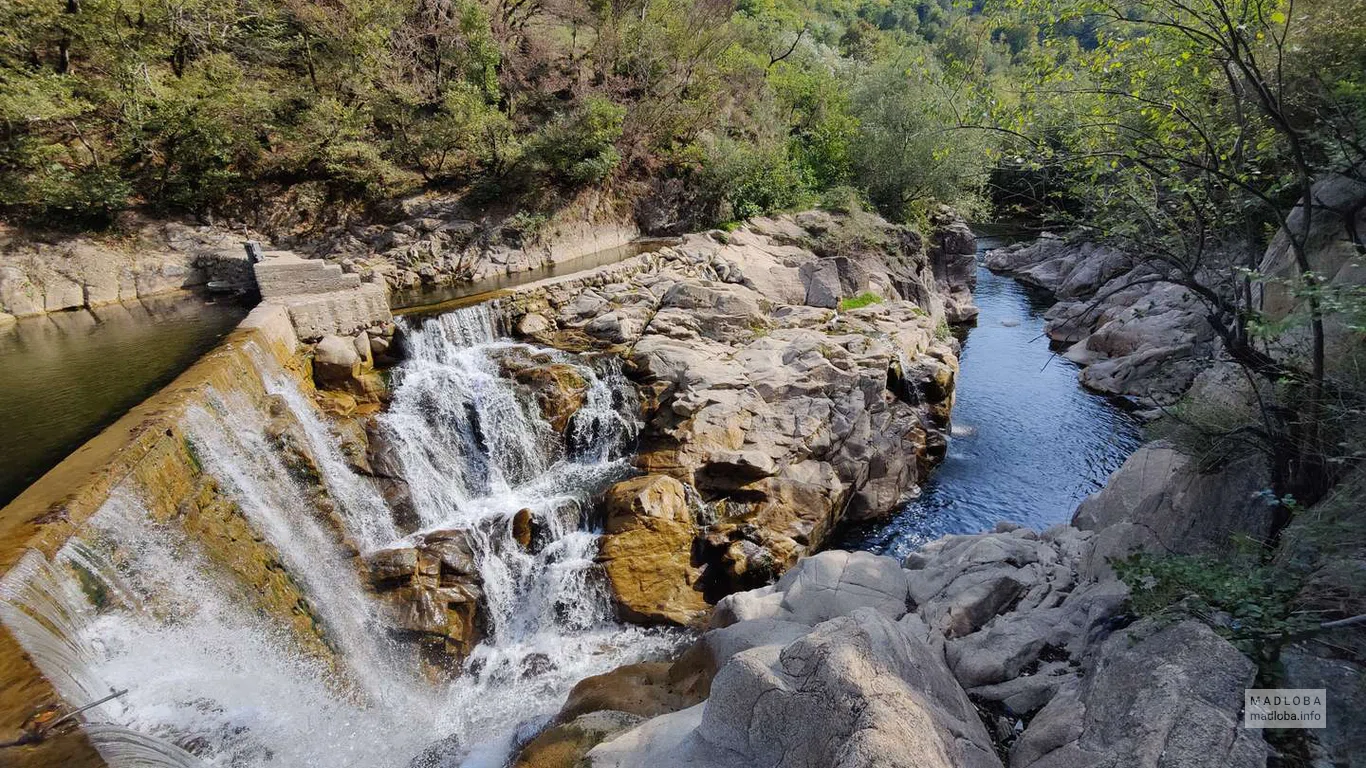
475	451
214	681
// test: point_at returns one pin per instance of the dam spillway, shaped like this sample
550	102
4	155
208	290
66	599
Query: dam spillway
222	580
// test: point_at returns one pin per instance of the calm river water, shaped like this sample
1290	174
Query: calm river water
1028	442
66	376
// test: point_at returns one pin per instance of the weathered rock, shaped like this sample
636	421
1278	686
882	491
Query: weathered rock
1134	334
856	691
338	365
785	418
39	274
820	588
1161	500
953	255
565	745
434	593
647	552
1342	742
1152	697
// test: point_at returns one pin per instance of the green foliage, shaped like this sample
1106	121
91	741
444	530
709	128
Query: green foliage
1252	604
193	105
858	302
907	154
579	146
750	179
843	199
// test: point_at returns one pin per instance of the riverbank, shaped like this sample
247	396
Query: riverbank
1027	444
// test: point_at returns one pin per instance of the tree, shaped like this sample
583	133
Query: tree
1194	130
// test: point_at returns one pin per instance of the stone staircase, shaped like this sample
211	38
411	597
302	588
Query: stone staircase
282	273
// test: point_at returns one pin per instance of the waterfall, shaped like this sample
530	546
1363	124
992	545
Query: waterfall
475	451
215	680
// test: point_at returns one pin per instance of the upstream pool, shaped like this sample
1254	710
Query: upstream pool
67	375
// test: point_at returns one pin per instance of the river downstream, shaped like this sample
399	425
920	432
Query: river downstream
1028	442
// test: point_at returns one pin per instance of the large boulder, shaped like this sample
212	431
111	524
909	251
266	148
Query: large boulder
855	691
1163	500
822	587
1152	697
559	387
345	365
647	552
434	594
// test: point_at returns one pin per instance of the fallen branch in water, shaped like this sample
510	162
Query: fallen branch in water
37	729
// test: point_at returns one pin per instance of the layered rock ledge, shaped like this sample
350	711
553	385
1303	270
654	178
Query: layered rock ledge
795	373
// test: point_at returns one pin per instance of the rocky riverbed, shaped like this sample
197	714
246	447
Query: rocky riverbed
460	519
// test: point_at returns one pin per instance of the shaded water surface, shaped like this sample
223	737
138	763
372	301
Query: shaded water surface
1028	442
65	376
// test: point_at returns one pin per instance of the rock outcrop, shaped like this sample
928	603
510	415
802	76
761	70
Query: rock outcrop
40	275
1134	336
433	590
1162	500
986	649
435	240
647	552
784	412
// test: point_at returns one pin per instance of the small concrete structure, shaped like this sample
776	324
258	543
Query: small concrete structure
320	298
282	273
342	313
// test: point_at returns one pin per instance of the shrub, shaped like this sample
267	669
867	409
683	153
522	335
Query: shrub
864	299
578	146
1251	604
750	179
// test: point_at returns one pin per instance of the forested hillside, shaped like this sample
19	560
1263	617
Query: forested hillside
714	111
686	112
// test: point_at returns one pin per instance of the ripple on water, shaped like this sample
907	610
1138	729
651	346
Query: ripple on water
1027	441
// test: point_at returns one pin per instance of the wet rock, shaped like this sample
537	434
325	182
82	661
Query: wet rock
522	528
645	690
434	595
647	552
386	468
559	388
565	745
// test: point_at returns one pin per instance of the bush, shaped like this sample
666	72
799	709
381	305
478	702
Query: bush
751	179
1251	604
578	146
844	199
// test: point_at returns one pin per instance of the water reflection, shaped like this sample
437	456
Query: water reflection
1028	442
65	376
